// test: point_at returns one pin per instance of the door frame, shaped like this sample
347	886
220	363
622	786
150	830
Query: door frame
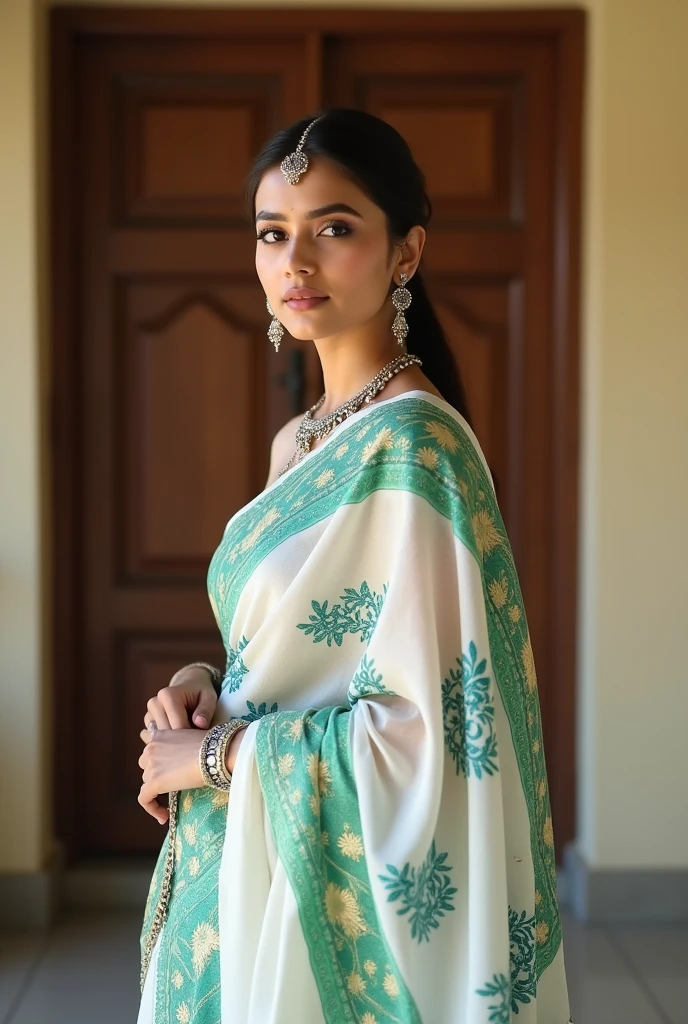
564	29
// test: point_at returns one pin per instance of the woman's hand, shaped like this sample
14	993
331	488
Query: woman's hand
190	693
170	762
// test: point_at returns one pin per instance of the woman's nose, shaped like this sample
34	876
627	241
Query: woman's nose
299	258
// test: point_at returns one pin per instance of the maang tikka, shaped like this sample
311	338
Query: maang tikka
296	163
401	297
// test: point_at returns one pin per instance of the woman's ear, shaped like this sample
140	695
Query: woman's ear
410	252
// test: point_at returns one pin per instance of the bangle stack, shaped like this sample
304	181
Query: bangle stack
215	674
211	756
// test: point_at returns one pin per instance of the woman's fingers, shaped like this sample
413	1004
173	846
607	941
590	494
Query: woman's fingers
175	707
147	800
158	712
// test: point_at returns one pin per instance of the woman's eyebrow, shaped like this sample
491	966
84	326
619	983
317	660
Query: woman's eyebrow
322	211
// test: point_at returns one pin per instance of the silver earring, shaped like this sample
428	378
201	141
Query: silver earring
401	297
275	330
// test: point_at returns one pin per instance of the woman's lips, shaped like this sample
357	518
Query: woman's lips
310	303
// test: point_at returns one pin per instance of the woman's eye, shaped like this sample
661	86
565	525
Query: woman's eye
340	229
262	235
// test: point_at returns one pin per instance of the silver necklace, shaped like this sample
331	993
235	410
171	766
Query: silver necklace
311	430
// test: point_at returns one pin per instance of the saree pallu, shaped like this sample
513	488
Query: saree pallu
386	853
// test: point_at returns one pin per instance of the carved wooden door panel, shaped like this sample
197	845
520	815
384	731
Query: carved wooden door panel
167	389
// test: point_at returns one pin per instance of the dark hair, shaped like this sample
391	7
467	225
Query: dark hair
374	155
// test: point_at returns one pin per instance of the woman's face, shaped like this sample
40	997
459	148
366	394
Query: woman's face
327	237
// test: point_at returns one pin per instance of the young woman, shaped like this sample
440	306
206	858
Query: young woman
387	851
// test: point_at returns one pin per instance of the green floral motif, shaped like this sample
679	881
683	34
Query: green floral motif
522	956
522	986
236	669
258	712
366	680
497	988
469	716
358	613
425	892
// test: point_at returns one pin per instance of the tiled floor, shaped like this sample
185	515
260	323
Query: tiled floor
86	972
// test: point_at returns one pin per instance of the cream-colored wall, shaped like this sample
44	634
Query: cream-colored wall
633	698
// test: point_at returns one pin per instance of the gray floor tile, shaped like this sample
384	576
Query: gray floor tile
18	954
602	987
660	957
89	973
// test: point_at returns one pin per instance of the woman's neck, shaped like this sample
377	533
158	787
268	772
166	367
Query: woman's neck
351	359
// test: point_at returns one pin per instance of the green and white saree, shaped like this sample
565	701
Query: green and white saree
386	853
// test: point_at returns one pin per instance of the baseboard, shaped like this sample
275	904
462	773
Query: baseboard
624	896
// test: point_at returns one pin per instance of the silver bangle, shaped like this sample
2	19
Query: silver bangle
211	756
215	674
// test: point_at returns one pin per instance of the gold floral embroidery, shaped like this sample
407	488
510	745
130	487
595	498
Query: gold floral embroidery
486	533
542	789
194	866
219	799
285	764
529	665
538	898
294	729
443	435
515	613
383	440
343	448
342	909
370	967
177	979
428	457
350	844
355	984
541	932
390	985
536	746
404	443
183	1014
324	478
190	834
295	796
319	771
548	832
499	591
204	941
187	802
251	539
369	1018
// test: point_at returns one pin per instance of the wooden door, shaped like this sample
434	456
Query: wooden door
167	390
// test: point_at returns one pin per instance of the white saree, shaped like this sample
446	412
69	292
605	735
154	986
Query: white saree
386	854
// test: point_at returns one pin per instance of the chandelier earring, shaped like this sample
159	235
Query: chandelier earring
401	297
275	330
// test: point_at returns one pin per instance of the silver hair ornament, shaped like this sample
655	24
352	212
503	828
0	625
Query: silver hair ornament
296	163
